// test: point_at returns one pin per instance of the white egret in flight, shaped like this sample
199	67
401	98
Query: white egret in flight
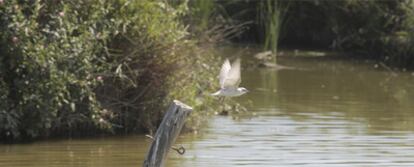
230	80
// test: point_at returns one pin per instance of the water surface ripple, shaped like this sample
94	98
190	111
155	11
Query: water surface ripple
324	112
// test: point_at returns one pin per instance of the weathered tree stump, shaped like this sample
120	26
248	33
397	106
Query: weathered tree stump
167	133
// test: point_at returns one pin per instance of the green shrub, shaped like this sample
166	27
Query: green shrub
155	64
47	57
85	67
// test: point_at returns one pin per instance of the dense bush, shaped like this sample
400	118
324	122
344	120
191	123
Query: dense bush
75	67
48	58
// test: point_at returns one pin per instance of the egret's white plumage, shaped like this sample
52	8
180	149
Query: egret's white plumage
230	80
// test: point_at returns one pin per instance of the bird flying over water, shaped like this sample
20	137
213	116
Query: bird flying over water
230	80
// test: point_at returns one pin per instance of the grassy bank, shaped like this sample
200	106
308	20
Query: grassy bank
70	68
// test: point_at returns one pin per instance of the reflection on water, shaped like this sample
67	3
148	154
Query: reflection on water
105	152
326	112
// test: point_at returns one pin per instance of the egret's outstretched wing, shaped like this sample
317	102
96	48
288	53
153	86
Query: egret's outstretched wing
225	68
233	78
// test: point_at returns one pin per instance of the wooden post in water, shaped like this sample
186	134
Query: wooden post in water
166	134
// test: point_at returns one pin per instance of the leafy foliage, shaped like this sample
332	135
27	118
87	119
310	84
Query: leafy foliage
77	67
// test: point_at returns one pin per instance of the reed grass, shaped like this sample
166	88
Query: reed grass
271	14
202	11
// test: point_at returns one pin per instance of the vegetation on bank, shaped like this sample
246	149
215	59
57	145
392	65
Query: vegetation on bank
89	67
381	30
378	29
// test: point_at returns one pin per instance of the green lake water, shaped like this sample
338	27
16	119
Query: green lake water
323	111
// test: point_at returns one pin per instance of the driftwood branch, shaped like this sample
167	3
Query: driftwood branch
166	134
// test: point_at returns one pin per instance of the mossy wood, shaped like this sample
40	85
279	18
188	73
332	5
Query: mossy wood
167	133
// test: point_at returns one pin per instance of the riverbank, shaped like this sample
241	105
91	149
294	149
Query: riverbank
111	67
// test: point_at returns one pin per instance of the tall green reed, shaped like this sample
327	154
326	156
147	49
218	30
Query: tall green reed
202	12
271	14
